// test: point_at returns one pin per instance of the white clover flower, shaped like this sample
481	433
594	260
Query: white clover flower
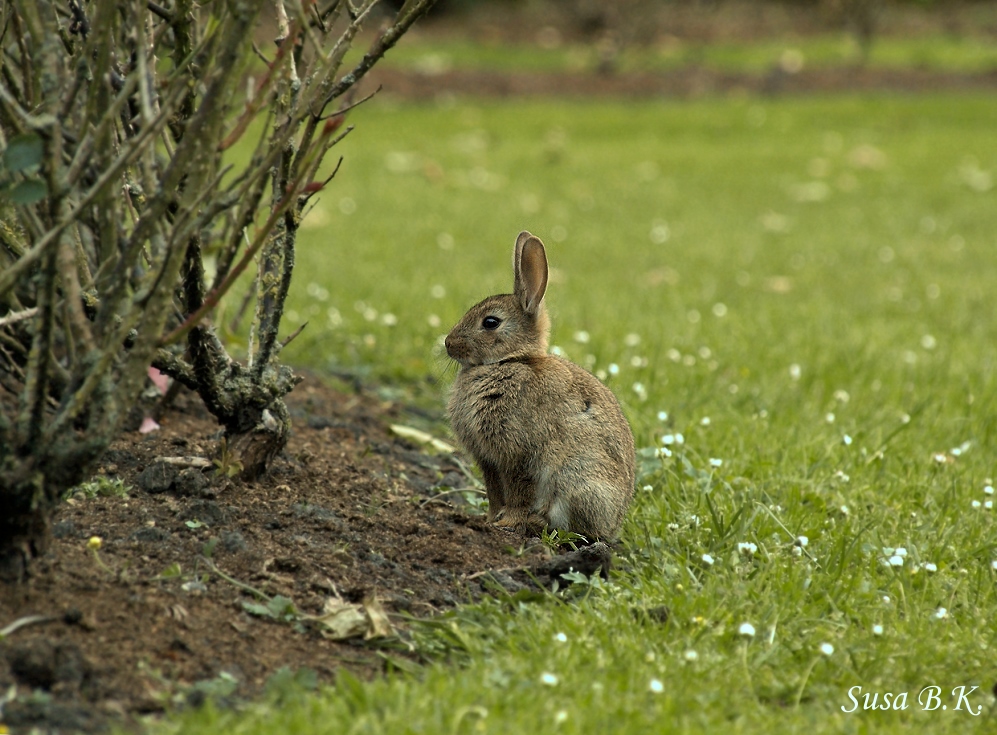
941	613
900	551
705	421
747	548
842	476
829	418
613	368
747	630
548	679
886	599
826	648
801	541
930	567
631	340
561	716
690	655
988	490
795	371
679	439
556	350
656	686
895	561
988	505
877	629
648	488
708	559
668	439
797	551
581	336
714	462
561	638
662	415
847	440
845	510
993	565
976	504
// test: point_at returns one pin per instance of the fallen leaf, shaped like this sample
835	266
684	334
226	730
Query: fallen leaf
416	435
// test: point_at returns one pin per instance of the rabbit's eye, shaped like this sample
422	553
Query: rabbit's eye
491	322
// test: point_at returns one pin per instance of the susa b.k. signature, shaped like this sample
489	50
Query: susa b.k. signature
928	699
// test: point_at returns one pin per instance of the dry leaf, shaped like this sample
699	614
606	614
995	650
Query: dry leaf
416	435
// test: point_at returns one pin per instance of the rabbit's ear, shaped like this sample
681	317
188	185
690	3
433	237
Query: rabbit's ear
530	266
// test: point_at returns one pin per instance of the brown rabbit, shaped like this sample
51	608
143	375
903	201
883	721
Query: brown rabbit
550	439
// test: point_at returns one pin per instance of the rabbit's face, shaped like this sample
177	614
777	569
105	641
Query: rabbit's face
497	329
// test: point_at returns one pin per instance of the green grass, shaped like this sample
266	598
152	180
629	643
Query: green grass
937	52
805	288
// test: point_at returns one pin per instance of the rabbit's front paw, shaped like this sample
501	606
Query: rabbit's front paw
519	521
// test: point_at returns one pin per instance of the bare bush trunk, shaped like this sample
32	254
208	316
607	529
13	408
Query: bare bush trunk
116	191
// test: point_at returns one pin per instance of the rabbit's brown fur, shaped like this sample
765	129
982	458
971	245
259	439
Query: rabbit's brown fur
550	439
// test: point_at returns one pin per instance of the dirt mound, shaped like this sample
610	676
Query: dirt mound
353	526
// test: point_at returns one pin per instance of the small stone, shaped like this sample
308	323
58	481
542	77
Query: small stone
157	477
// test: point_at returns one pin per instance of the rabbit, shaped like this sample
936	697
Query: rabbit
550	439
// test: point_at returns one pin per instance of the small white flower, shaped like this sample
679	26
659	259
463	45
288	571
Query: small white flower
797	551
826	648
648	488
708	559
976	504
900	551
988	490
941	613
829	418
631	340
993	565
662	415
548	679
679	439
613	368
886	599
801	541
747	630
841	396
665	452
845	510
896	561
795	371
668	439
555	350
673	527
581	336
561	638
690	655
747	548
930	567
705	421
714	462
561	716
988	505
842	476
877	629
847	440
656	686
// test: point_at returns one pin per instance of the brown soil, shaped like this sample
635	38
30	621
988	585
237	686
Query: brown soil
687	82
350	512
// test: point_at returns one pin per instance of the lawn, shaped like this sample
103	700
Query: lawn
793	300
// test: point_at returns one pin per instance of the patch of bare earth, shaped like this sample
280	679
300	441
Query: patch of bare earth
350	513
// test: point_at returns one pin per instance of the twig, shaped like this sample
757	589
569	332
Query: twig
198	462
290	338
25	622
18	316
